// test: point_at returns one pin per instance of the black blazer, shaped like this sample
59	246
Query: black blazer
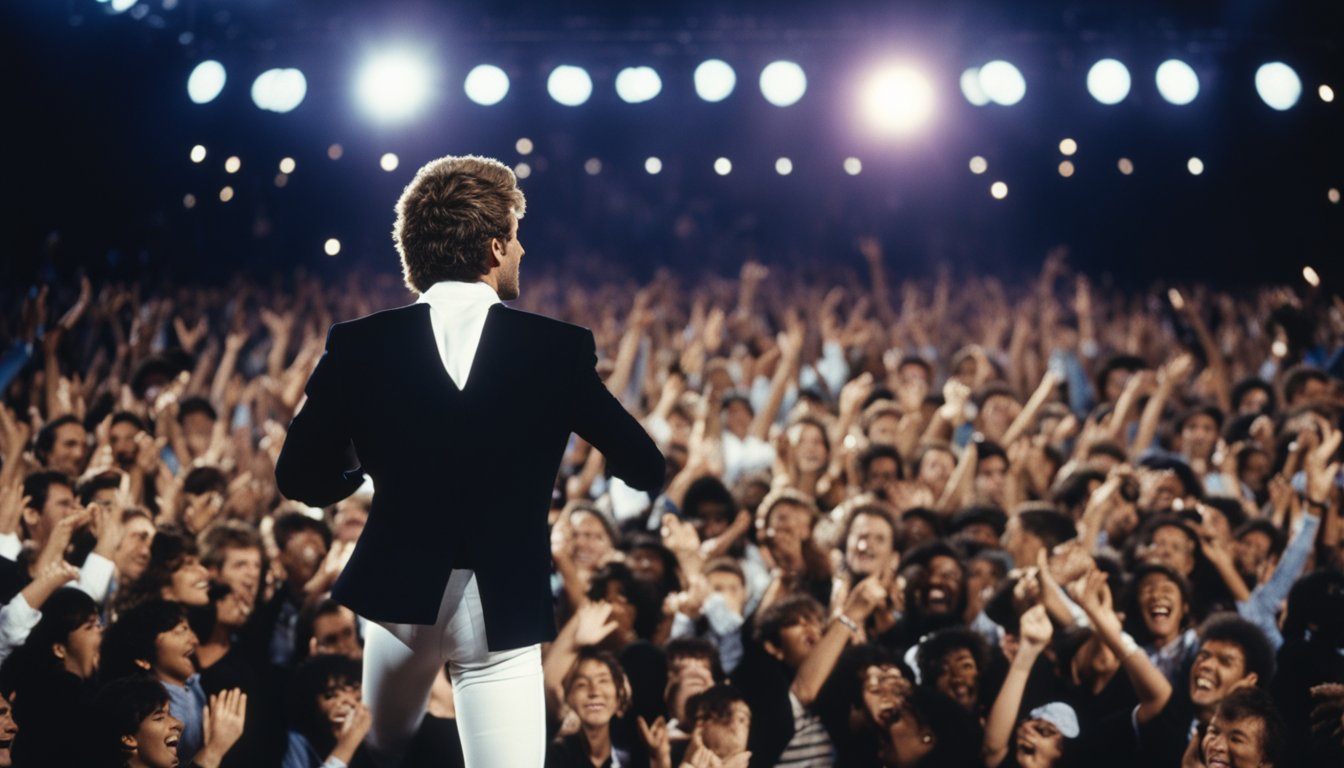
463	477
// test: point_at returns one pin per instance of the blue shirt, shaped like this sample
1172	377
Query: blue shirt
185	702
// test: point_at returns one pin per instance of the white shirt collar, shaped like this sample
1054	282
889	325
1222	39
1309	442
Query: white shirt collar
457	293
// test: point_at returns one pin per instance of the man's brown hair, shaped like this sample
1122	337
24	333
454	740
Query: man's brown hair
447	216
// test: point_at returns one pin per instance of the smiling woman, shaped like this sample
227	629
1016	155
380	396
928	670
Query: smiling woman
596	691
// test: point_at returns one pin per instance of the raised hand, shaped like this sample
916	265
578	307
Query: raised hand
1321	472
655	736
1094	597
222	723
1035	628
592	623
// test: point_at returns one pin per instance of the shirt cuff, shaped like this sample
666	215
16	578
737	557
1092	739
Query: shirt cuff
10	546
96	575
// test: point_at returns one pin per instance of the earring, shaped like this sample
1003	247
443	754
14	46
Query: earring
927	738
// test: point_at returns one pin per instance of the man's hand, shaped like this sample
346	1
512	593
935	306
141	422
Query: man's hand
592	623
1094	597
222	725
1035	629
1321	471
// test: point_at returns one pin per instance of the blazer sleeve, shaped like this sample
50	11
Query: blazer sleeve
317	463
600	419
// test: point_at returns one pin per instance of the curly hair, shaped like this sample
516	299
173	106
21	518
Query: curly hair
448	215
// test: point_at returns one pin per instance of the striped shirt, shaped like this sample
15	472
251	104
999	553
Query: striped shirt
810	746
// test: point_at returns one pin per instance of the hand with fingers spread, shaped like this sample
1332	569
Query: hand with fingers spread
593	623
660	746
1321	471
222	725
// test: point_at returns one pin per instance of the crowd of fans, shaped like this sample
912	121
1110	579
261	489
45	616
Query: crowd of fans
944	523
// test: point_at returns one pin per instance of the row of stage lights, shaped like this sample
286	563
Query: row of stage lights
723	166
395	87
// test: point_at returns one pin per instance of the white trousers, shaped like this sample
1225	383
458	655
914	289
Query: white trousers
501	715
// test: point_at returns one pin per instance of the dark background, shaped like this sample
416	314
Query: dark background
100	126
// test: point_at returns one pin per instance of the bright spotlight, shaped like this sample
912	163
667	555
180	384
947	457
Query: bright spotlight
1177	82
1332	195
394	86
714	80
225	194
1066	168
1002	83
970	87
853	166
232	164
1108	81
389	161
1195	166
653	166
569	85
197	153
335	151
783	83
1326	93
524	146
486	84
206	81
999	190
287	165
592	166
1313	279
332	246
636	85
1125	165
279	90
979	165
119	6
522	170
783	166
723	166
188	200
1278	85
898	100
1067	146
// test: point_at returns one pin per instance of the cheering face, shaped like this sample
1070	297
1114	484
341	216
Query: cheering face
1171	547
79	653
173	653
869	544
727	737
884	687
122	437
592	694
959	677
731	587
241	570
1161	607
155	741
337	702
1235	743
69	450
1198	436
189	584
809	448
942	588
1039	744
132	555
591	542
797	641
1219	667
337	633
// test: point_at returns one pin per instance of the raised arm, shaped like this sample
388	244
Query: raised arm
1035	633
1149	683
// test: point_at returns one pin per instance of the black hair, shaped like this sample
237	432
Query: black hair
1249	384
205	479
879	511
225	535
168	551
593	653
1295	380
772	620
1242	703
986	448
992	389
1116	363
695	648
312	679
46	436
118	709
1133	611
1107	448
65	611
877	451
736	396
980	514
1277	541
642	597
128	417
1074	489
671	581
37	486
957	733
1190	483
934	520
103	481
195	404
1316	610
1046	523
931	652
132	636
1231	509
1228	627
291	523
1200	409
305	625
714	703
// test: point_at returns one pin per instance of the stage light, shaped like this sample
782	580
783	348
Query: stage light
898	100
206	81
1278	85
226	194
1108	81
569	85
979	165
970	87
486	84
197	153
1066	168
653	166
389	161
1002	83
1125	165
232	164
636	85
1313	279
188	201
1195	166
332	246
1326	93
714	80
1067	146
287	165
279	90
723	166
853	166
394	86
998	190
335	151
524	146
783	166
592	166
522	170
1177	82
783	83
118	6
1332	195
